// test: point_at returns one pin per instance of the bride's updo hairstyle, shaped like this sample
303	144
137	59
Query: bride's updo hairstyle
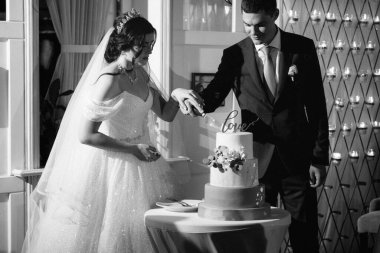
130	30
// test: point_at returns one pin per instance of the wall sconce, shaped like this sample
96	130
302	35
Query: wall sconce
322	46
332	128
363	75
346	73
355	46
354	101
339	46
336	157
293	15
376	22
370	47
354	156
315	16
369	101
347	19
370	153
362	127
376	126
331	73
376	74
339	103
346	128
330	17
364	19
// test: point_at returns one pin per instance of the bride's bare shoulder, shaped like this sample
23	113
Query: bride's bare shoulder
106	87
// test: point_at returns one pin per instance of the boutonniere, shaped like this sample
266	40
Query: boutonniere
293	71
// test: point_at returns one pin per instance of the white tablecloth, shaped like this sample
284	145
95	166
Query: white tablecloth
186	232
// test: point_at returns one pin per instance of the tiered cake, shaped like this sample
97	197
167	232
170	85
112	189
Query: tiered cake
234	192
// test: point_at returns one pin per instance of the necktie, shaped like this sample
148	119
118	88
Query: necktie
269	73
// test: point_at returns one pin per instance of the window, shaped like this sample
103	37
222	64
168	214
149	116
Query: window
3	8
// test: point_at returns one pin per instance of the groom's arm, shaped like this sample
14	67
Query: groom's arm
316	104
214	94
221	85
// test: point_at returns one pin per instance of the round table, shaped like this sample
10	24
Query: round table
186	232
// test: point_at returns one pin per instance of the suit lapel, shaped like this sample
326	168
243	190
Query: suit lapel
284	64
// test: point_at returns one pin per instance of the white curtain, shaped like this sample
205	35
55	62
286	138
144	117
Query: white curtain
79	25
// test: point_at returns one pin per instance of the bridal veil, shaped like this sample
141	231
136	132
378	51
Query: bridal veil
60	174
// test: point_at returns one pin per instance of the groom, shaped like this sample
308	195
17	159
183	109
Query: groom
276	78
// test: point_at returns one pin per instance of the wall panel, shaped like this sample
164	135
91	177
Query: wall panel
352	95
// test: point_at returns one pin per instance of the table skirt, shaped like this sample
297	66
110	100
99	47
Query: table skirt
172	232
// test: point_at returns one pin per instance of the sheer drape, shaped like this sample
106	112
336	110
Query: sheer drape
79	25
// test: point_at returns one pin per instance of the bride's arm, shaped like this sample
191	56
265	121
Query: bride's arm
88	132
166	110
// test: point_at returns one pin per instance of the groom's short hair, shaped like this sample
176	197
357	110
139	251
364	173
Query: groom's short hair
255	6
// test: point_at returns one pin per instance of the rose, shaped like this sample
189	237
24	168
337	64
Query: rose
225	159
293	71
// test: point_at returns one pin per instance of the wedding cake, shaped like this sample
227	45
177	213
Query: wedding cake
234	192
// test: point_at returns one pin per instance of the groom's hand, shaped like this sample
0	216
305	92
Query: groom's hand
189	101
192	110
317	175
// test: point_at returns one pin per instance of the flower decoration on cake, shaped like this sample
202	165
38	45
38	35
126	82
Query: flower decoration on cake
225	159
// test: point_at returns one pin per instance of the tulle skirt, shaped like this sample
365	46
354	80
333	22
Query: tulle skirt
96	203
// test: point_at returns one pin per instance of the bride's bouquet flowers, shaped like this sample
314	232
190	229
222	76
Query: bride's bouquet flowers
225	159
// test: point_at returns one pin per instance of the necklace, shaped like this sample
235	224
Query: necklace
131	74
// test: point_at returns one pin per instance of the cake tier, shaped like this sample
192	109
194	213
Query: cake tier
234	198
246	176
234	141
225	214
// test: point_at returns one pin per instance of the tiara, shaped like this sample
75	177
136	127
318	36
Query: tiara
128	16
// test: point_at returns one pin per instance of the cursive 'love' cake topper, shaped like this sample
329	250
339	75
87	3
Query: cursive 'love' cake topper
229	124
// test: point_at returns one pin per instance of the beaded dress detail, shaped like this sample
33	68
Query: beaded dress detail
100	206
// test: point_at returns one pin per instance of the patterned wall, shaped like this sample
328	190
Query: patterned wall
346	34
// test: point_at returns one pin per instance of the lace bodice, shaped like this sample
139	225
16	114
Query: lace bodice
123	117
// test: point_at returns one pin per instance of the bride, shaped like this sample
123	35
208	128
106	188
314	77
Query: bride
103	172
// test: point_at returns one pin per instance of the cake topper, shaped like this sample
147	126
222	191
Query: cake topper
229	124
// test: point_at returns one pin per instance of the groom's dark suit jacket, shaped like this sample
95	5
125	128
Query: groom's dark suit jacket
295	122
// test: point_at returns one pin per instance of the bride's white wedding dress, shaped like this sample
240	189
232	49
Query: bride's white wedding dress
99	205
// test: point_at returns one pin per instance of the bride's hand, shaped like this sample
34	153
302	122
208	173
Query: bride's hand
147	153
188	99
